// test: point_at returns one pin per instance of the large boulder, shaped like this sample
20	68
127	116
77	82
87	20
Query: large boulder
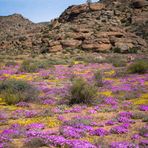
71	43
55	48
79	36
96	6
96	47
124	47
78	9
139	3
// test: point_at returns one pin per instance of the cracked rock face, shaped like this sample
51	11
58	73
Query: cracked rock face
103	27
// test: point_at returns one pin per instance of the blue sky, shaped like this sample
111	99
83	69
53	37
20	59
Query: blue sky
36	10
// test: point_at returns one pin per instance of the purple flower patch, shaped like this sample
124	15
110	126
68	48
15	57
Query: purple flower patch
79	144
99	132
111	101
143	107
22	104
71	132
123	145
118	130
35	126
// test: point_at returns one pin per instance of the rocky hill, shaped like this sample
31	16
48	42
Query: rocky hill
105	26
18	34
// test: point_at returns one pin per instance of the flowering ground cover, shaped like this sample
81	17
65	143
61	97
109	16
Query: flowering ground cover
118	119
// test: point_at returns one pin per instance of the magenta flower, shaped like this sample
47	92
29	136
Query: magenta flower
71	132
118	130
111	101
79	144
135	137
123	145
35	126
48	102
125	114
30	114
111	122
143	143
22	104
99	132
143	107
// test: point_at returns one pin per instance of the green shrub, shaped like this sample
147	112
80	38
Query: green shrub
76	121
138	115
35	143
121	72
90	58
133	50
10	63
98	78
143	131
117	61
14	91
28	66
145	119
82	92
116	50
140	67
33	66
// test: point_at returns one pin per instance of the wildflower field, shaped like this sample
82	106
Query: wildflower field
40	114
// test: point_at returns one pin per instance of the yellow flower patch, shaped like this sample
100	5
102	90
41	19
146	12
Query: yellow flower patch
144	96
81	72
78	62
11	107
53	122
142	100
53	80
2	102
75	62
49	121
106	93
146	83
6	75
21	77
109	73
91	139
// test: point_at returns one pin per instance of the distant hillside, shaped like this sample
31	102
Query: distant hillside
105	26
18	33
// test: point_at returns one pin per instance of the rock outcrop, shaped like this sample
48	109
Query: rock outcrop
104	26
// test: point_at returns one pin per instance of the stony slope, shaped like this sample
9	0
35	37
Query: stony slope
18	33
105	26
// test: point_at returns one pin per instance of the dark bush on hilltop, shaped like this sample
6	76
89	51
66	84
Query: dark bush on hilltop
14	91
139	66
82	92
